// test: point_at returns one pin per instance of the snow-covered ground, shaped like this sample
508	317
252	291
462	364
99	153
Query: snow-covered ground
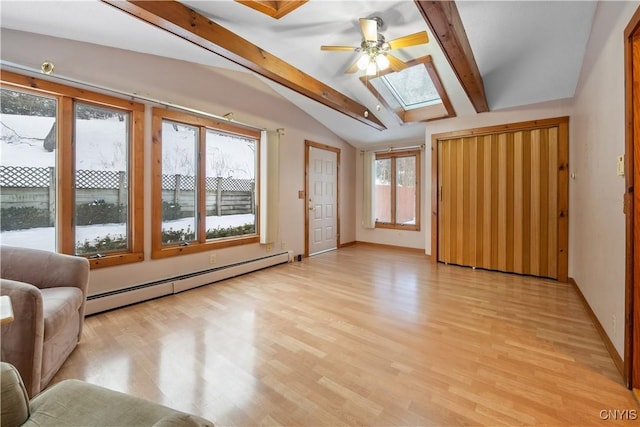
100	145
44	237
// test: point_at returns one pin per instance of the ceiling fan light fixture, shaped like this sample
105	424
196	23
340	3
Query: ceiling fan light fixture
372	69
364	62
382	61
374	48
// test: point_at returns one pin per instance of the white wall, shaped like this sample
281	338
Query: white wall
596	220
207	89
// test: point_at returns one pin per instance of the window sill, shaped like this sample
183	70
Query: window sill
411	227
196	247
115	259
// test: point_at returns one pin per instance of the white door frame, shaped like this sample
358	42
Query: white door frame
308	145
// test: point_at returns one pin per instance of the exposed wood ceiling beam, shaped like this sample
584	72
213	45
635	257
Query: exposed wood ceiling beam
443	19
190	25
273	8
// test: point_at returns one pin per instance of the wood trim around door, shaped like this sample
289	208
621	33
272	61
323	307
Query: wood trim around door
307	145
632	201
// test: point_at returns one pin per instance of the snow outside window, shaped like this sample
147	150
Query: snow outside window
101	137
206	188
71	171
28	169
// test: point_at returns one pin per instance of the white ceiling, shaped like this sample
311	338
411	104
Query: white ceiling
527	52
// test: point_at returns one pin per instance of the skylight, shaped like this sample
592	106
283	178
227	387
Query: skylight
414	94
412	87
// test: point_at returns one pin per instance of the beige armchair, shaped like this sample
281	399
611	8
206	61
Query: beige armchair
48	293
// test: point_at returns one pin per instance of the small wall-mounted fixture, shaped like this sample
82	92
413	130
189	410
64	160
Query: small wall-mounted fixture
228	116
620	165
47	67
280	131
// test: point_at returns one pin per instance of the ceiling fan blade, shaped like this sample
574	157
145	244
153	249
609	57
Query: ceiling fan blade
339	48
369	29
410	40
396	64
352	69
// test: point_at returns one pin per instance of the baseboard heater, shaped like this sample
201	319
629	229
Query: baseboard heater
134	294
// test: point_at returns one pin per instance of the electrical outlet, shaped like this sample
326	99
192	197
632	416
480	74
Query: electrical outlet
268	247
212	259
283	245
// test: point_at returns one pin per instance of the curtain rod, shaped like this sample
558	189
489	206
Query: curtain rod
228	117
390	149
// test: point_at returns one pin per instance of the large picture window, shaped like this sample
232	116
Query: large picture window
204	184
101	137
398	190
71	171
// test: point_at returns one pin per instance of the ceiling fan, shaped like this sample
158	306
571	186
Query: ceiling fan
375	49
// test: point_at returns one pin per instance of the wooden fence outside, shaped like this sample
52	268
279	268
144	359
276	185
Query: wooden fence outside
35	187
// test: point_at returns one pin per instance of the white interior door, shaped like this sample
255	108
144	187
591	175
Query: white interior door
322	200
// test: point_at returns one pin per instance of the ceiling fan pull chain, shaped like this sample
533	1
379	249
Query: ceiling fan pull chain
378	96
366	85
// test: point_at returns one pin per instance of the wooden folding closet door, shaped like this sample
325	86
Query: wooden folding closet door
502	200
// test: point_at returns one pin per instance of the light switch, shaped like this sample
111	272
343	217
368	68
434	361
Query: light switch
621	165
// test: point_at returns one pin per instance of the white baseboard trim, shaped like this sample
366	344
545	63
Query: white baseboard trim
172	285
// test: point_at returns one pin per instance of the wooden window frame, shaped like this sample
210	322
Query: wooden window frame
65	163
160	250
393	156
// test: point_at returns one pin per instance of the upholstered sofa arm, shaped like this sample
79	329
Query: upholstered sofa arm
14	401
78	403
22	338
43	269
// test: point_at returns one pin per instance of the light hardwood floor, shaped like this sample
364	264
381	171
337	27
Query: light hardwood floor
361	336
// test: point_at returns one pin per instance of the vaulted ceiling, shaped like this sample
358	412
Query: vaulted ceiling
525	52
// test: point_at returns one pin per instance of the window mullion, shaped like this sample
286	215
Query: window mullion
136	185
65	239
393	190
202	185
156	184
417	190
